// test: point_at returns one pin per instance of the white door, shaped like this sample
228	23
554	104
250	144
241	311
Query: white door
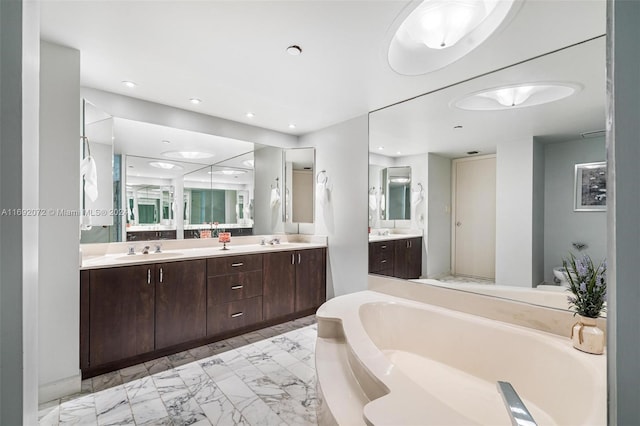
474	224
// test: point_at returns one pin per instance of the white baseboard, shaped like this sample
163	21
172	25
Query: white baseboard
63	387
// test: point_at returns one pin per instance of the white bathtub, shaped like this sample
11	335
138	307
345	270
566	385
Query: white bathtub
404	362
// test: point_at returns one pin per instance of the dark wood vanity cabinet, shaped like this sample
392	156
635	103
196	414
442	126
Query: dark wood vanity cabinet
279	285
234	293
408	258
132	314
381	257
180	306
133	310
311	289
120	313
396	258
293	282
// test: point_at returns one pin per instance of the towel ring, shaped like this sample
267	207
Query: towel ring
86	139
322	177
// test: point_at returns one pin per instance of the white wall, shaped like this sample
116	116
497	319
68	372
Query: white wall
562	225
438	234
59	235
342	150
514	218
19	67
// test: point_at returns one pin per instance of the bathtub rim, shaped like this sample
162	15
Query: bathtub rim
407	402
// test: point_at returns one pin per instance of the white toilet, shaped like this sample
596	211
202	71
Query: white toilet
560	277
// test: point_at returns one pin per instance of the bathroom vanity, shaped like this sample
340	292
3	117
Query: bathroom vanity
137	308
396	255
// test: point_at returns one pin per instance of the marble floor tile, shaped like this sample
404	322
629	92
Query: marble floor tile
134	372
266	377
106	381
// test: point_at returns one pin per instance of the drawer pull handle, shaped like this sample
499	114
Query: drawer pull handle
237	314
161	275
236	287
233	265
148	276
383	261
298	258
292	258
384	247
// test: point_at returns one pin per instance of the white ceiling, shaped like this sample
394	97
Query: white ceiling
426	124
231	54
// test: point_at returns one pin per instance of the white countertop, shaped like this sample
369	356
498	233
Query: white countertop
96	256
374	238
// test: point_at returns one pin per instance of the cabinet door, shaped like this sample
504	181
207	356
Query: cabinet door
310	278
279	272
408	258
121	313
180	302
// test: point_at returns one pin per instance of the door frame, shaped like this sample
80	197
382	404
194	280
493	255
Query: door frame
454	165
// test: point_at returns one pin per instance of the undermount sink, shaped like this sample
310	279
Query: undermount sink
147	257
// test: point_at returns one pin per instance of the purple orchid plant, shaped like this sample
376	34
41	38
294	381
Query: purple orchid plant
588	284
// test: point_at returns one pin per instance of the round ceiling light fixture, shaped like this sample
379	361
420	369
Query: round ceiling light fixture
165	166
436	33
228	172
294	50
516	96
187	155
195	101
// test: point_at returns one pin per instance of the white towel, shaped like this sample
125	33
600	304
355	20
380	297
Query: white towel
89	171
382	203
372	203
322	193
416	197
275	198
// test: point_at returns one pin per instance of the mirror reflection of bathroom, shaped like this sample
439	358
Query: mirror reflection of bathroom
508	190
395	201
298	206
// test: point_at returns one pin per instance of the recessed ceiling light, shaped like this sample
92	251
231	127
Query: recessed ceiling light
166	141
165	166
457	127
294	50
473	152
250	115
195	101
516	96
188	155
129	84
380	148
398	153
292	126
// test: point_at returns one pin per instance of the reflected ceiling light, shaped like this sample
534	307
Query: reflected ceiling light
228	172
250	115
400	180
292	126
195	101
437	33
248	163
516	96
165	166
294	50
380	148
187	155
129	84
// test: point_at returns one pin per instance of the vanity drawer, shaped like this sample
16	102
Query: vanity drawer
227	288
381	256
233	264
232	315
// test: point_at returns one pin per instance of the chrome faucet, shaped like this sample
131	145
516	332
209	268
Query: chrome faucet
158	248
145	250
132	250
272	241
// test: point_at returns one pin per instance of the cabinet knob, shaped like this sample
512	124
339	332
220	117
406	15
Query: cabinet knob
237	314
161	275
293	257
235	265
148	276
236	287
298	258
458	223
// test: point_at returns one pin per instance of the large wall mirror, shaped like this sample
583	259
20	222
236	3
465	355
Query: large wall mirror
528	150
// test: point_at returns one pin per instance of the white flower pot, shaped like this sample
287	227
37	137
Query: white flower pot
587	337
